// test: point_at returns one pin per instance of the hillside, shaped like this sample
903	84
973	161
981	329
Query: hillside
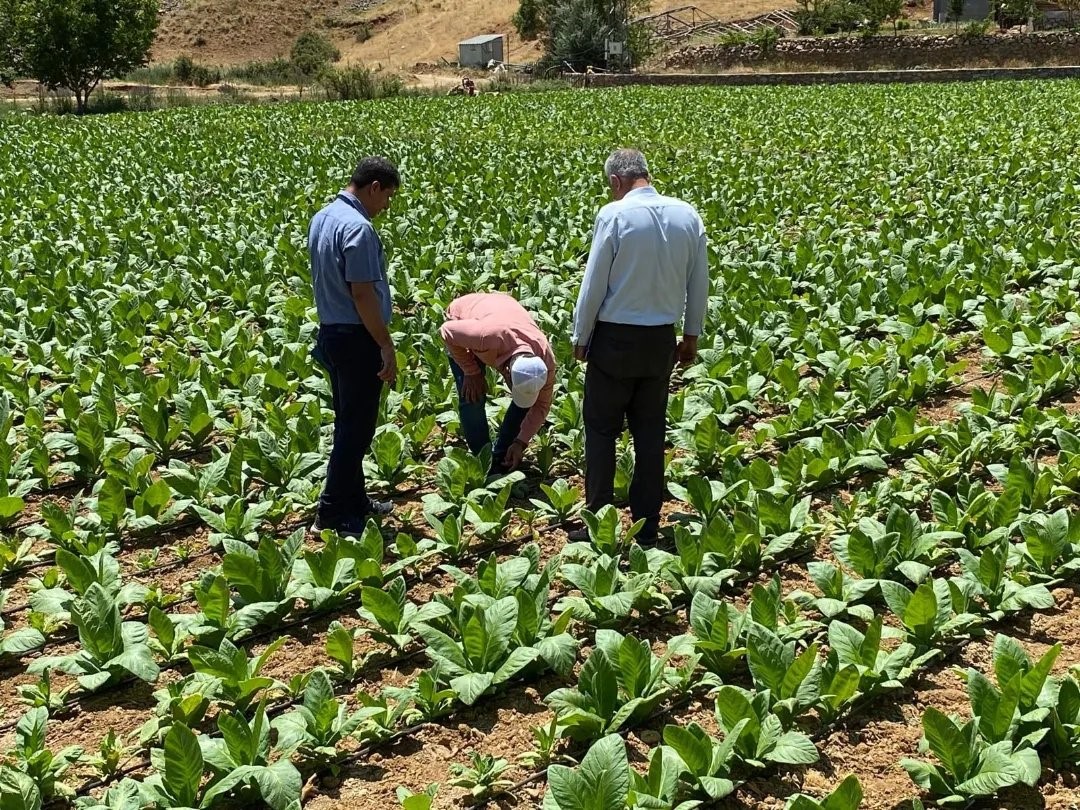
397	34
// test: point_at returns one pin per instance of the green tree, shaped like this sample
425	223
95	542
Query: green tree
576	31
530	18
75	44
1022	10
312	53
956	11
12	20
883	11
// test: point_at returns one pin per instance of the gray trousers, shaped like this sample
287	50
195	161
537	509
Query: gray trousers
626	382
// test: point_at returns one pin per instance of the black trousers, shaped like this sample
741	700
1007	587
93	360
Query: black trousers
352	359
626	380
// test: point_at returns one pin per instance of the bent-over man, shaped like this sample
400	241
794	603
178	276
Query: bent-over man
352	295
647	269
493	329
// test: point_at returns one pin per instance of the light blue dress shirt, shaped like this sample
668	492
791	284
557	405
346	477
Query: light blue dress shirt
648	266
345	248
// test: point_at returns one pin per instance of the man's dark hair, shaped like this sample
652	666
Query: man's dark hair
372	169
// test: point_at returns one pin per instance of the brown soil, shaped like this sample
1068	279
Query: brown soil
500	727
1070	404
869	743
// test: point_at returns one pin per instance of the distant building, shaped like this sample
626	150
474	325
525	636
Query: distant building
1047	13
478	51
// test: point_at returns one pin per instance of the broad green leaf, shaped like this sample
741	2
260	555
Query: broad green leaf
602	782
793	748
946	742
183	765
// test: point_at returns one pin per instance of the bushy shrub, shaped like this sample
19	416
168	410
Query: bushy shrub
203	76
766	38
183	69
359	83
312	53
529	19
832	17
273	73
106	102
977	28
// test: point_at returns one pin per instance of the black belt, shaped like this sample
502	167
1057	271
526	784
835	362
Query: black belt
342	328
635	326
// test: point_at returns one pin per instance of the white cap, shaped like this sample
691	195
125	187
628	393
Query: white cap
528	374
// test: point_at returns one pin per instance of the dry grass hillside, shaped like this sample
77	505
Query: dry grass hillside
397	34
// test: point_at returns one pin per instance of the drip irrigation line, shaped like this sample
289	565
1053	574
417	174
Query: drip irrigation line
414	728
77	483
787	440
48	557
140	759
346	684
353	600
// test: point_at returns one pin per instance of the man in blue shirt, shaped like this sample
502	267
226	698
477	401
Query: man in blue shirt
352	296
648	269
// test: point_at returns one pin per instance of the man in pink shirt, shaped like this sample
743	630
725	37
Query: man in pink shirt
493	329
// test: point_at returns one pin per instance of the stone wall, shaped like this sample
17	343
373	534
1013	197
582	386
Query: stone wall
913	76
887	52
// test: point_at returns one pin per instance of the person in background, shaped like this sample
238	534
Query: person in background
647	269
353	299
493	329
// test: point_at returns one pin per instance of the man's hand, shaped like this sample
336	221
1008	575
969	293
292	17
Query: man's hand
388	372
514	455
580	353
474	388
687	351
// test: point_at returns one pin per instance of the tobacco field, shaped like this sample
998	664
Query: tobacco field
866	591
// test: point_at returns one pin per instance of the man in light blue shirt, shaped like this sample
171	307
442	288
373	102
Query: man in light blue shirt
647	270
352	296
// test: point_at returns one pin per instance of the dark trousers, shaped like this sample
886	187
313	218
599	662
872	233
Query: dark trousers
626	380
351	358
474	423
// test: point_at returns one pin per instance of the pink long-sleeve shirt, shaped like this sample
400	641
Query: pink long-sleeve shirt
491	329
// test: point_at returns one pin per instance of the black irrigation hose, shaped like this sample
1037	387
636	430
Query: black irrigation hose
271	630
77	483
782	442
378	745
309	617
9	612
287	527
404	657
44	561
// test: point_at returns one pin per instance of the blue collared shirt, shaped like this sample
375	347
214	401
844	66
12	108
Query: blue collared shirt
648	266
345	248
